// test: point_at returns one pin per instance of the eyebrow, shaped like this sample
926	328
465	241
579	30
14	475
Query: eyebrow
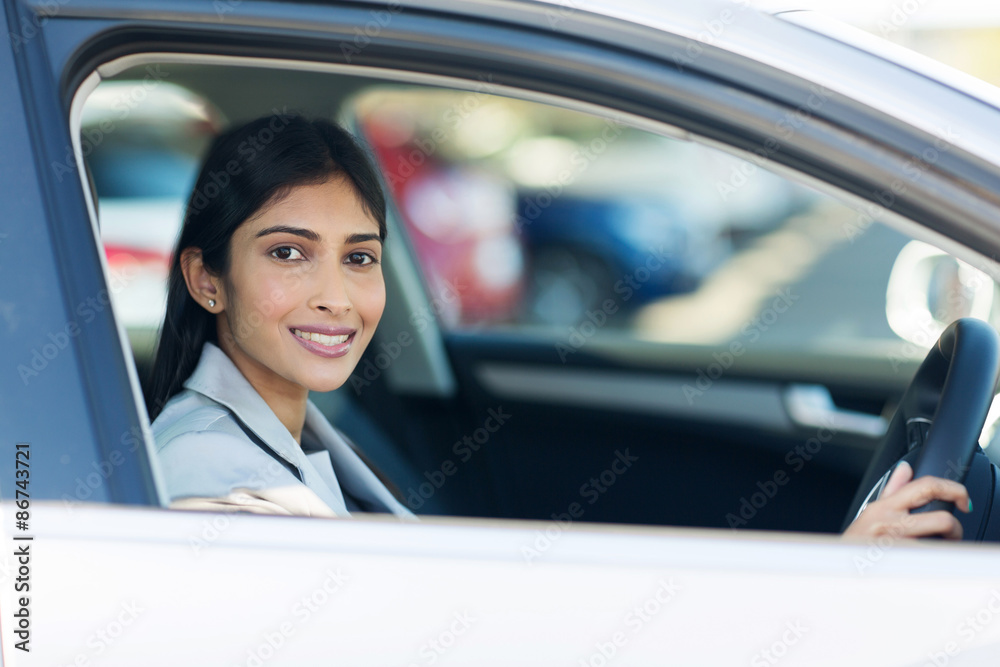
313	236
361	238
285	229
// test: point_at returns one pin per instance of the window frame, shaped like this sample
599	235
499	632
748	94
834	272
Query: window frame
558	67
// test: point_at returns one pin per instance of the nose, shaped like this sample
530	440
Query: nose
329	290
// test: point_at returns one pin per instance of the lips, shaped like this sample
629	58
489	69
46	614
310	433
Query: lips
322	339
325	341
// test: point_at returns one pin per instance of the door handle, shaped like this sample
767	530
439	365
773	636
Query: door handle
812	406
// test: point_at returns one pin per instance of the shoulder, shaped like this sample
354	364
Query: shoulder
190	412
202	451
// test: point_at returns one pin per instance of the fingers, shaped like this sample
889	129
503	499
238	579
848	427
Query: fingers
898	479
890	515
922	491
883	521
932	524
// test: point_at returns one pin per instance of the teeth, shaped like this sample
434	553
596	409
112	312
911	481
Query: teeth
322	339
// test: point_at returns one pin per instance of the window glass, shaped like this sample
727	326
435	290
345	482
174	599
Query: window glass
555	222
539	220
142	139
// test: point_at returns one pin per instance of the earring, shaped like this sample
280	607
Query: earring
211	303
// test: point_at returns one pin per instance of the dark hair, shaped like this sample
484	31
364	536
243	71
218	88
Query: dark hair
247	168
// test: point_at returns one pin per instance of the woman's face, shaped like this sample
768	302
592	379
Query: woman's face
304	291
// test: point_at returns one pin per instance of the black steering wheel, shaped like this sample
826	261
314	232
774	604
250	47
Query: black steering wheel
937	425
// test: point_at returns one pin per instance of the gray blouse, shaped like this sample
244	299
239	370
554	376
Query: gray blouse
219	435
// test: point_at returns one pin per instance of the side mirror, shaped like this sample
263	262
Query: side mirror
929	289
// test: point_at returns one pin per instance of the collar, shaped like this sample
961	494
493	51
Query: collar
218	378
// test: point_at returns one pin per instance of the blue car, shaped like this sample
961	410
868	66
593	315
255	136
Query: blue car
584	252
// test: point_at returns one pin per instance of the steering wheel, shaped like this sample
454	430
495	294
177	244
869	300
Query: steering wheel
938	421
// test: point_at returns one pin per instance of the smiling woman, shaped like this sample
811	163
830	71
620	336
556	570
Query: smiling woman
275	290
304	296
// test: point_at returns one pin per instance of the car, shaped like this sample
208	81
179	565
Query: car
580	245
662	479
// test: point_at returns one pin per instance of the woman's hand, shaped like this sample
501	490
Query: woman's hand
890	514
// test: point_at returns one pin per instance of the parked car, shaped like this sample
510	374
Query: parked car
667	489
580	246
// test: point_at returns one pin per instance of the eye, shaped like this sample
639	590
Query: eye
361	259
286	253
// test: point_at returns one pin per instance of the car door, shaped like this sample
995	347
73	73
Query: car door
263	589
69	391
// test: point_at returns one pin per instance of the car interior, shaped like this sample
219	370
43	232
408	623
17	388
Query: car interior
584	311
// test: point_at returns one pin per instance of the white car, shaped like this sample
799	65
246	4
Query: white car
659	484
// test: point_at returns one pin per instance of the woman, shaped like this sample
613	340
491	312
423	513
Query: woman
275	290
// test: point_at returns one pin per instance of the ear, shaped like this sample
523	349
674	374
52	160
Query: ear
203	287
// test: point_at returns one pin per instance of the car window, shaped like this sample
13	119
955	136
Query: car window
538	223
534	219
143	143
549	221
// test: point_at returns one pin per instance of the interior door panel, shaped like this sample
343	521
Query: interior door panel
600	440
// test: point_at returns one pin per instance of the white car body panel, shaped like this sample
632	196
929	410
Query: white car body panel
117	586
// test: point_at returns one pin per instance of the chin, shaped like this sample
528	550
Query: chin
325	383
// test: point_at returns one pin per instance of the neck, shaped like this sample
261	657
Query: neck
288	406
287	400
